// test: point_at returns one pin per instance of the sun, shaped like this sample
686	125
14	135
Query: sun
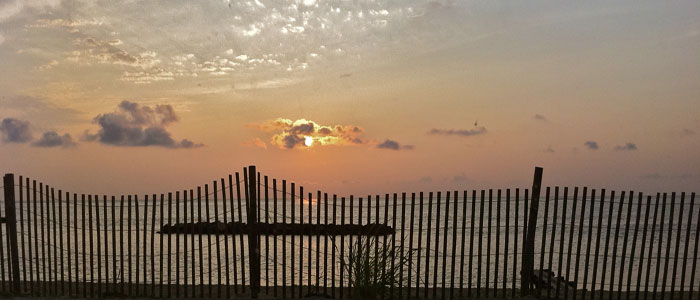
308	141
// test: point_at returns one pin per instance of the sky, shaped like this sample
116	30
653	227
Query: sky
351	97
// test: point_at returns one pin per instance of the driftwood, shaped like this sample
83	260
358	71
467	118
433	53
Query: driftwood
277	229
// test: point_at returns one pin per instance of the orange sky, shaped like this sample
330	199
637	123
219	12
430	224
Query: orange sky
144	97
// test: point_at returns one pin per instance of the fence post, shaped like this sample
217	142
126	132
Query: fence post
11	221
253	248
529	243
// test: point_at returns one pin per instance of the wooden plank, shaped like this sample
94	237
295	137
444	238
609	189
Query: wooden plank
597	244
553	236
678	241
607	241
529	246
624	245
544	233
658	251
21	231
284	238
92	262
634	243
325	244
342	247
145	242
507	239
444	247
668	245
562	237
185	269
461	260
291	252
482	204
695	255
114	244
515	241
128	246
437	245
218	244
177	243
579	242
588	243
75	234
209	244
170	245
30	256
301	241
121	246
410	242
226	237
310	245
60	235
43	244
334	246
240	236
274	246
233	238
68	245
525	288
267	240
138	246
488	244
651	246
454	244
199	240
318	239
254	250
616	241
471	244
393	247
153	245
686	243
193	253
106	235
84	244
571	242
11	223
420	244
55	245
99	246
427	245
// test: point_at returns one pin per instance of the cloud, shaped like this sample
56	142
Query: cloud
52	139
137	125
458	132
394	145
626	147
539	117
592	145
15	131
687	131
549	150
292	134
256	142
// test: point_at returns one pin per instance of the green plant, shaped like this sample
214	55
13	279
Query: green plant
374	267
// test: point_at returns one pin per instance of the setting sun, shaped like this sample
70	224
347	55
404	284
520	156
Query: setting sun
308	141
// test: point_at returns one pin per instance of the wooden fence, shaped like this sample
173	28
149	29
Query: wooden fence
452	244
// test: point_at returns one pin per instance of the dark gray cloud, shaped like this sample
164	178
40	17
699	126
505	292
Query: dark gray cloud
549	150
138	126
52	139
539	117
458	132
593	145
15	131
626	147
394	145
687	131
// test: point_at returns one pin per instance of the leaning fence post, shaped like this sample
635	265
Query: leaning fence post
253	248
11	221
529	243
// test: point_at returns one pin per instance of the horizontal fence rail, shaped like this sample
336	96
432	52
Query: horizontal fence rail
251	235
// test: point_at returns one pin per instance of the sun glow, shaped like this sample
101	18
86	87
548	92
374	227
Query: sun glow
308	141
